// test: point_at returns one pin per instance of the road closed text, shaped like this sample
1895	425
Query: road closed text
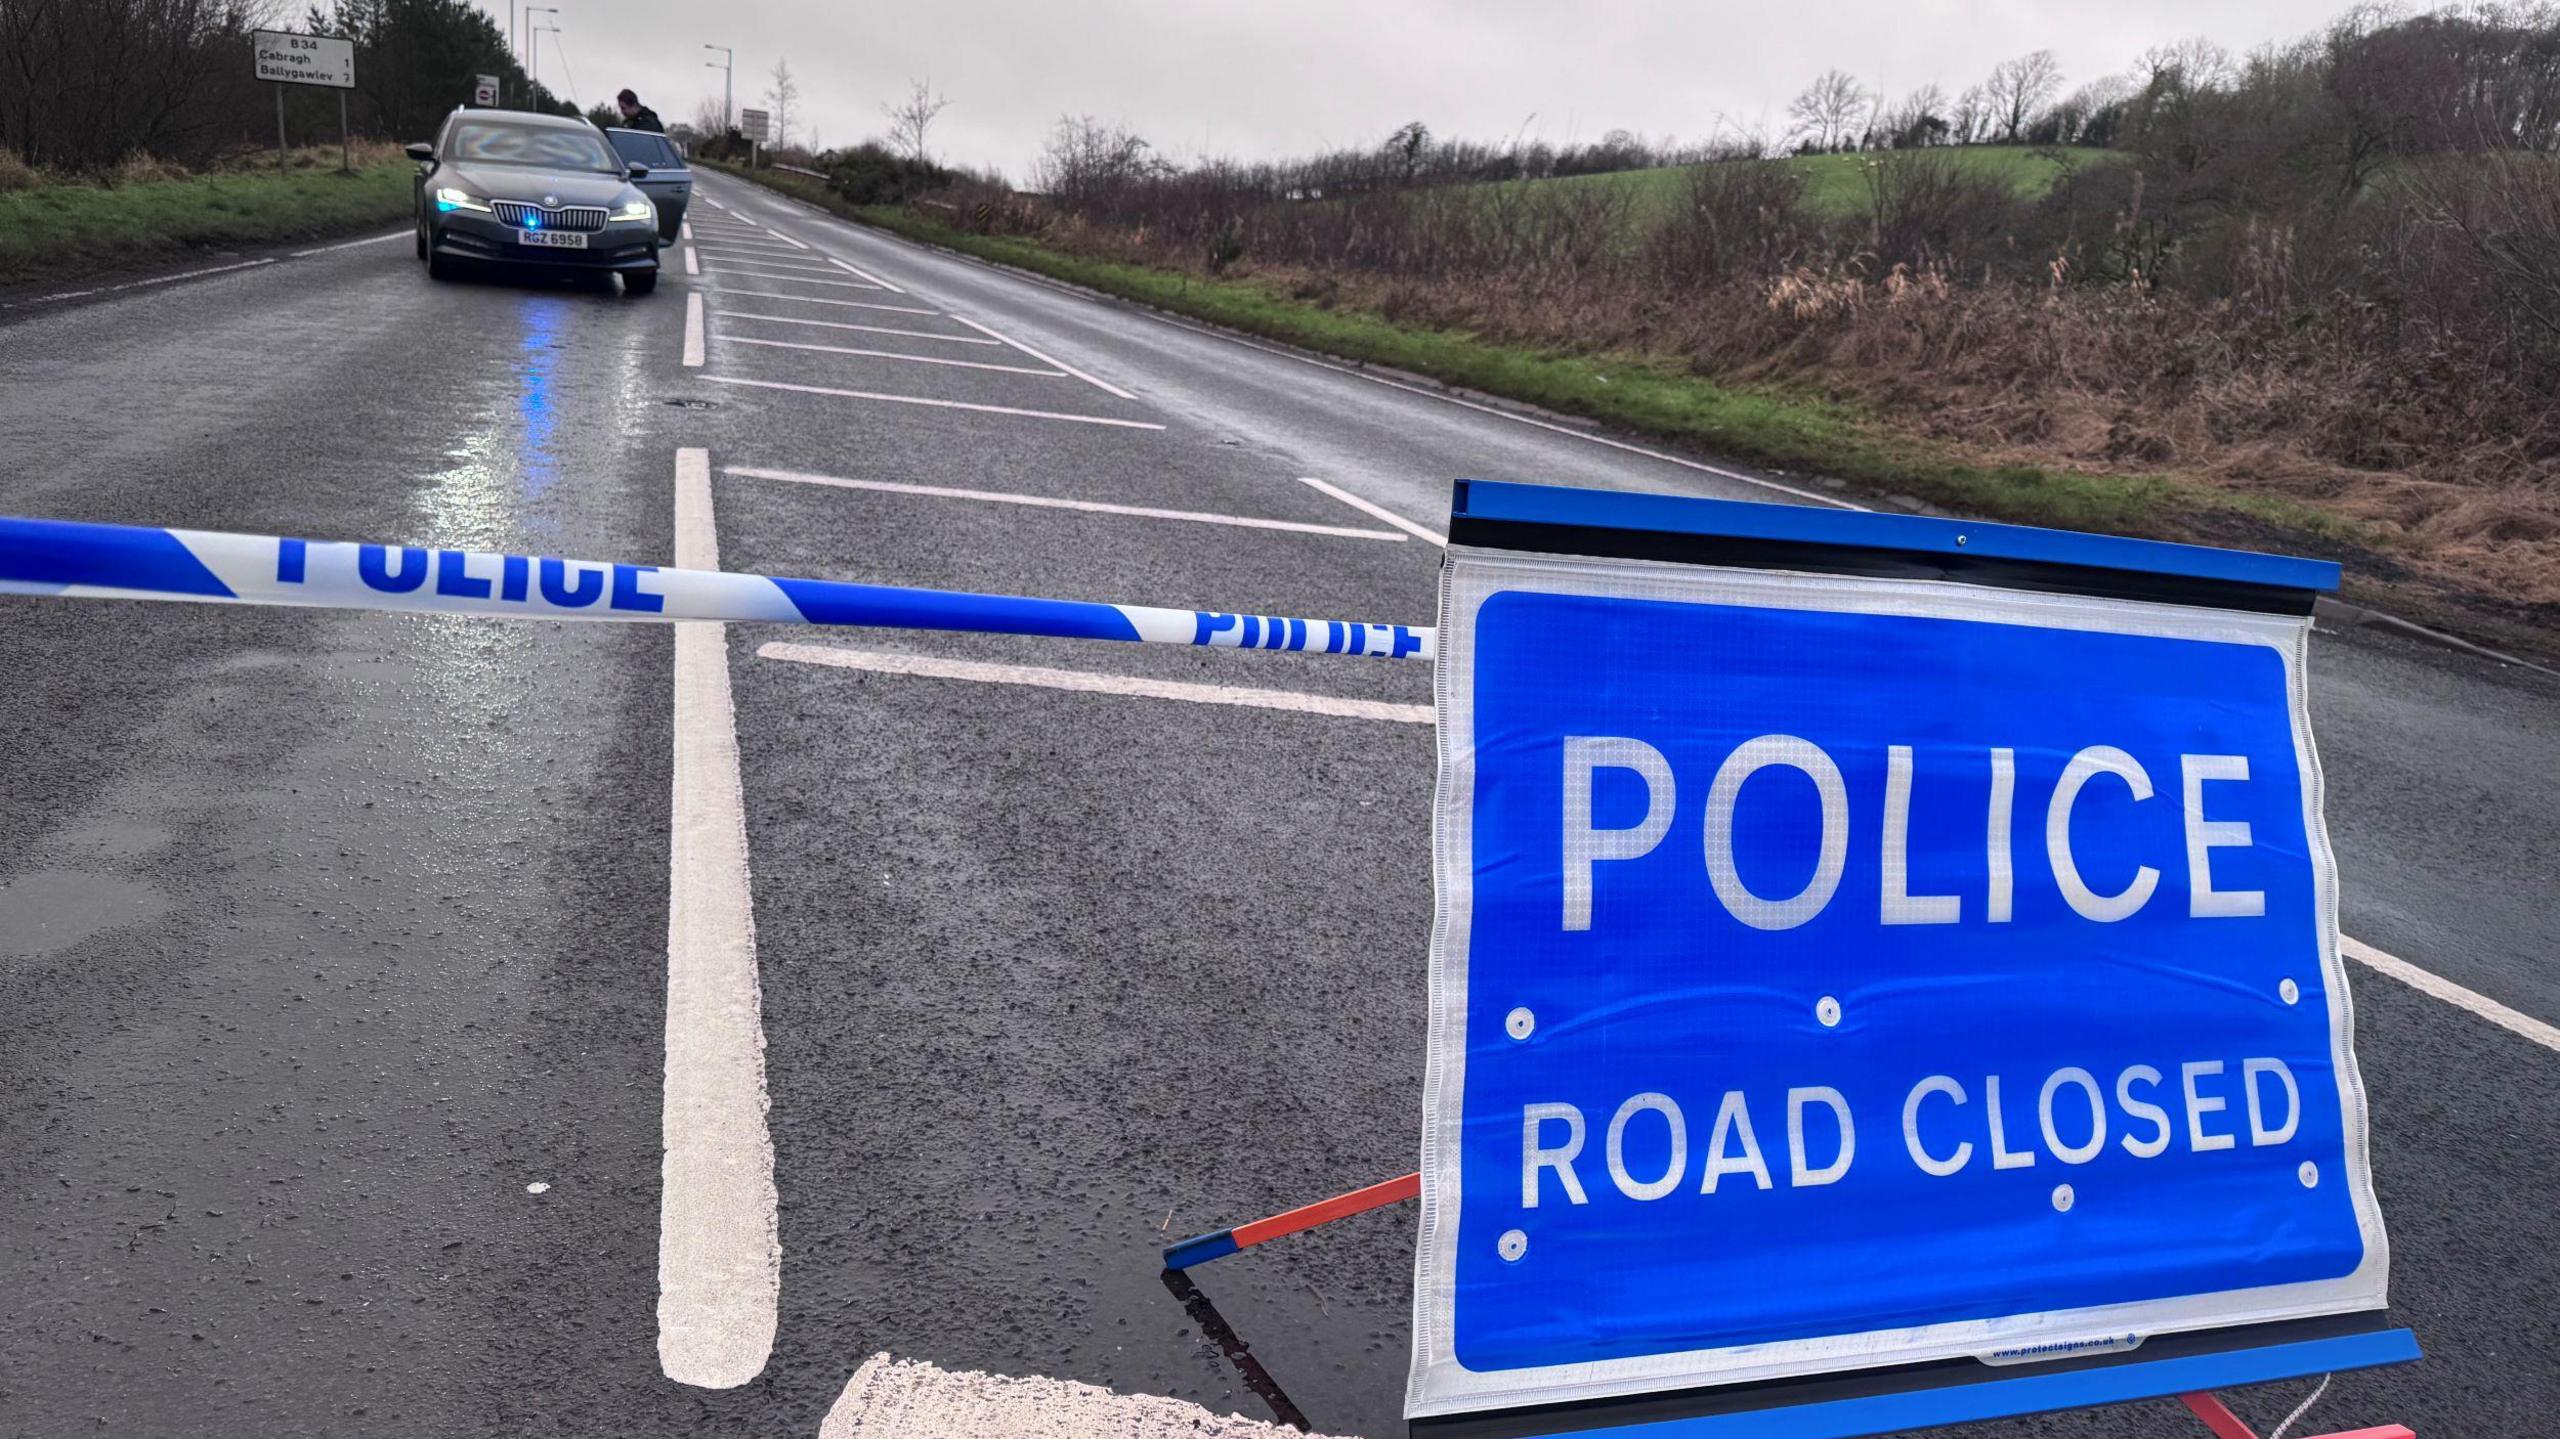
1653	1146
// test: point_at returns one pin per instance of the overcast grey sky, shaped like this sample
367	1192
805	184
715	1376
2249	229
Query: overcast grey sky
1283	77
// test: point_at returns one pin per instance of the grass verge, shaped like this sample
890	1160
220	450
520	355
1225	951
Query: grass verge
59	230
1778	427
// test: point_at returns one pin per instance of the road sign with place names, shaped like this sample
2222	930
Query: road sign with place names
1868	939
291	58
756	125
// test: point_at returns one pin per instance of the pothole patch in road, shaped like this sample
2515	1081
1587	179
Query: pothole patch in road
687	403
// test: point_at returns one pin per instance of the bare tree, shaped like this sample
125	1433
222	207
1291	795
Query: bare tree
1970	116
711	116
1831	110
2019	88
1921	119
784	97
911	118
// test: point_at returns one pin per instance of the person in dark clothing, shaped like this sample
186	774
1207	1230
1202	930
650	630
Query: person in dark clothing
636	116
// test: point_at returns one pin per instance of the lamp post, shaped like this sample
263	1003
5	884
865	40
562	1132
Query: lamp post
530	58
728	62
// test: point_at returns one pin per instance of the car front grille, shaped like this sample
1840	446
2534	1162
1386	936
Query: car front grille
572	217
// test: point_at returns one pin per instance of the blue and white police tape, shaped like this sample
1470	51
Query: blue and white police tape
85	561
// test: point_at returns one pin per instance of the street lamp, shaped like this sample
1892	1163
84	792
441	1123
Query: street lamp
529	12
728	62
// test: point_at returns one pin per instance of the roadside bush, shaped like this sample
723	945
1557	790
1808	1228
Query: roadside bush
872	174
16	174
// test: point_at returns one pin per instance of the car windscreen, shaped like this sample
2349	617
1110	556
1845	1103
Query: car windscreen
494	142
642	148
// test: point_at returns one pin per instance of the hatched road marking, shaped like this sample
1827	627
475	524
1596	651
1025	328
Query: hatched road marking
893	355
936	404
866	329
1048	502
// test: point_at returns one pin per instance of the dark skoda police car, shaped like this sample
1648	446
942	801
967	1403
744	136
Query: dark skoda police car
505	187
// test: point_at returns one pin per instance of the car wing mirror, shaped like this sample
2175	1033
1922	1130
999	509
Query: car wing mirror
639	172
423	154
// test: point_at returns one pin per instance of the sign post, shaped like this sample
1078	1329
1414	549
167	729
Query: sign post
757	126
484	90
287	57
1873	941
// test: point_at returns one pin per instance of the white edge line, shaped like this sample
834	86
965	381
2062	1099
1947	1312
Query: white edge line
351	244
1047	360
786	239
719	1245
892	355
687	227
691	265
1048	502
866	274
693	330
2437	986
1086	682
866	329
139	284
1378	512
937	404
823	300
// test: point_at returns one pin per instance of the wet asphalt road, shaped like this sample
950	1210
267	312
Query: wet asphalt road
323	937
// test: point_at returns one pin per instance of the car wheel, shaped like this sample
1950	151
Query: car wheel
422	237
441	268
639	282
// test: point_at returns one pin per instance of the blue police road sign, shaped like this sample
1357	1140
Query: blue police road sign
1837	971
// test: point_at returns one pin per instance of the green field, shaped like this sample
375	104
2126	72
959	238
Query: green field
1837	184
65	229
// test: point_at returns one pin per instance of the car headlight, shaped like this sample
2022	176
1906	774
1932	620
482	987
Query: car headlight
636	209
449	198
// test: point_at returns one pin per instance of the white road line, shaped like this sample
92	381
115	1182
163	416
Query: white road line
937	404
1047	502
2429	983
693	330
786	239
892	355
866	274
731	267
351	244
1101	385
1419	532
714	204
1086	682
867	329
729	255
822	300
744	246
719	1248
687	227
139	284
691	266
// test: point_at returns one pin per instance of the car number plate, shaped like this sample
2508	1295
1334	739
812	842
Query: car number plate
556	239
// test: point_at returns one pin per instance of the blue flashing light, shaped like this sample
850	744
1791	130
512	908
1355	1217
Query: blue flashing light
532	220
